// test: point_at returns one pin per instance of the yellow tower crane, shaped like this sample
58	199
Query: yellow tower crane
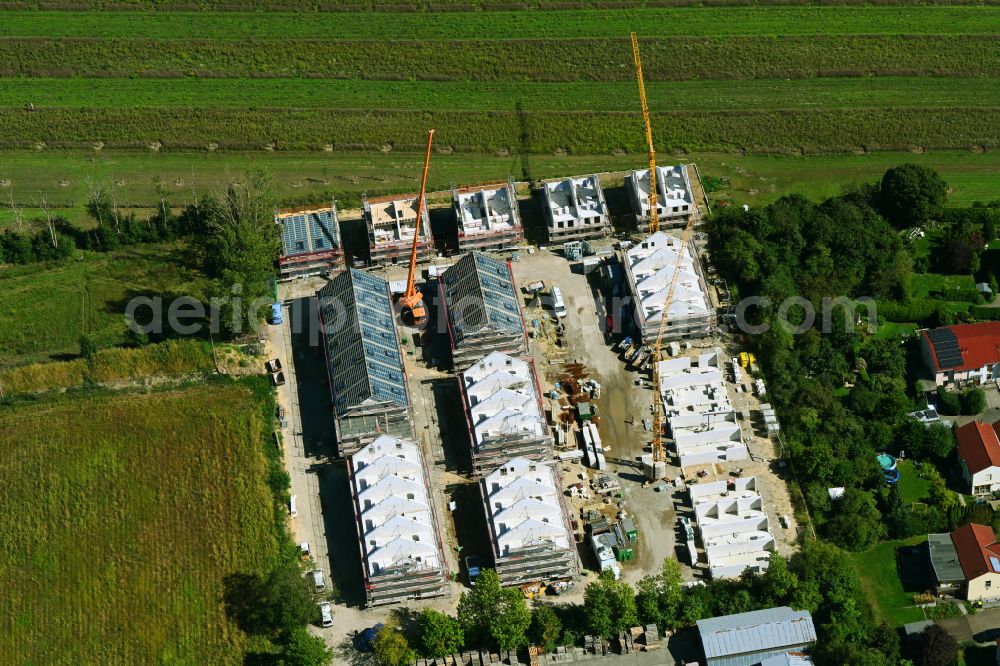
659	453
654	214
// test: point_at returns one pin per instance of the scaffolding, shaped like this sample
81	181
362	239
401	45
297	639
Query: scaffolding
368	387
484	312
487	217
310	241
391	222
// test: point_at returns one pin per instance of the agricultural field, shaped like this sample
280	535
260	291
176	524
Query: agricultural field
46	309
761	79
122	518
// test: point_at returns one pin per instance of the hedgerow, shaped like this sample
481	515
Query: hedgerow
676	58
780	131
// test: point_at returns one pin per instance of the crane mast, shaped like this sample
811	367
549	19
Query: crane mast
412	301
654	214
659	453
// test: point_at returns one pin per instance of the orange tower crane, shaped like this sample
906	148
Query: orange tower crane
412	301
654	214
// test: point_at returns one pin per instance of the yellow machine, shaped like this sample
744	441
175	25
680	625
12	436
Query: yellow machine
654	213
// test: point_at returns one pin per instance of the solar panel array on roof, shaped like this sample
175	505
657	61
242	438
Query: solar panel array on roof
945	347
309	231
362	350
480	293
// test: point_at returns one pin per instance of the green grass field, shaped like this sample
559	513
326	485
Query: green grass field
499	25
912	487
122	516
877	569
47	308
199	93
924	283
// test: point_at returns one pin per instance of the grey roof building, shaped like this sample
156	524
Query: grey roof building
483	310
364	364
944	562
310	241
747	639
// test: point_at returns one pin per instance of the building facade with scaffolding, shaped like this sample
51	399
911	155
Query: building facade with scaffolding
528	524
504	412
368	387
649	269
575	208
487	217
391	222
484	313
674	196
398	530
310	241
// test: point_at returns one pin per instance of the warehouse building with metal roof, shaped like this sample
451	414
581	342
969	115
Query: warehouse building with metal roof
368	386
483	310
310	241
747	639
398	530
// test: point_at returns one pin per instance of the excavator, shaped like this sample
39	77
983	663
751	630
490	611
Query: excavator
414	312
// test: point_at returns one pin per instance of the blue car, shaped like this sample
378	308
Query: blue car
363	640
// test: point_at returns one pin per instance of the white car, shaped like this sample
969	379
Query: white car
327	616
318	579
292	509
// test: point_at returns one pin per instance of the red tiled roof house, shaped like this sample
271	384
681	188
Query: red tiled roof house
979	456
979	556
962	354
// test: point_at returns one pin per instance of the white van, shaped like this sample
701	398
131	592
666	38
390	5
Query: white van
558	306
292	510
318	580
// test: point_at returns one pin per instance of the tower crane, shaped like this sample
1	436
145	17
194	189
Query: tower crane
412	301
654	213
659	452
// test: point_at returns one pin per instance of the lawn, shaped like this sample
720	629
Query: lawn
924	283
912	487
755	179
879	577
494	25
123	514
892	329
46	308
707	95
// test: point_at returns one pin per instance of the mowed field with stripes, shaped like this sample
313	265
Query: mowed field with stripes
762	79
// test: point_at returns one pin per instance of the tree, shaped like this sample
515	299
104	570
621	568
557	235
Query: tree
490	613
857	523
949	404
391	647
609	606
546	627
777	584
972	400
440	634
88	348
241	247
939	647
910	195
304	649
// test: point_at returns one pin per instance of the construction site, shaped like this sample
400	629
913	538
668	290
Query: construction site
310	241
483	309
496	416
391	222
674	200
398	531
487	217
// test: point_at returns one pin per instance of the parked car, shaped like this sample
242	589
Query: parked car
363	639
292	509
278	379
274	365
472	568
326	615
318	581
